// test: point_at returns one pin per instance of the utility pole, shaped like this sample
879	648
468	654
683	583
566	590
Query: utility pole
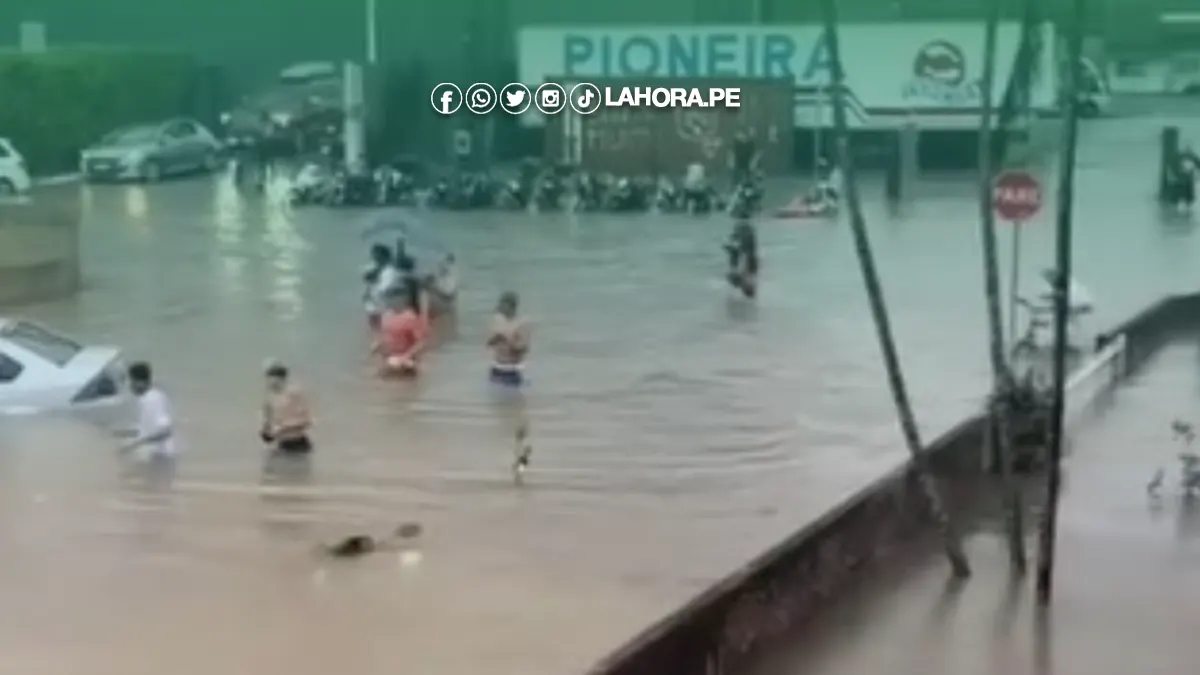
999	436
372	28
866	260
1062	302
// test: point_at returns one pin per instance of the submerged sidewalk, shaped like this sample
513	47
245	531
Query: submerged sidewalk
1127	596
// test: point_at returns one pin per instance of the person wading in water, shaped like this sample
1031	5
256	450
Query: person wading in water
153	436
286	414
380	277
509	341
403	333
743	158
742	249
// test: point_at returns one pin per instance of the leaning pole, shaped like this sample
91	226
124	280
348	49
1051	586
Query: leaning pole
866	261
1062	301
999	437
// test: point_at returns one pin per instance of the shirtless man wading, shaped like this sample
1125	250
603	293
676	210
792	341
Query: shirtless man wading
509	342
286	414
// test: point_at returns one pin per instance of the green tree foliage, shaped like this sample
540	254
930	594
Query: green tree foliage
54	104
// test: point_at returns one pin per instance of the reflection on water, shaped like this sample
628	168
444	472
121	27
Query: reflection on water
229	221
287	497
137	205
676	431
283	249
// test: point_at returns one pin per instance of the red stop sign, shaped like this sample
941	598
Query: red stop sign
1016	196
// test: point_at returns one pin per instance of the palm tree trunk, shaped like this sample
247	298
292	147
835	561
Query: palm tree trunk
999	438
1017	96
1066	198
891	360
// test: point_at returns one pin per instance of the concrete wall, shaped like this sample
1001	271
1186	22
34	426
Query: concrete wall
39	248
1146	332
751	610
754	609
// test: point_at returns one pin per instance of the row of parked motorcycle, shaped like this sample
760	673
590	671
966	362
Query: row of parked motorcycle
554	188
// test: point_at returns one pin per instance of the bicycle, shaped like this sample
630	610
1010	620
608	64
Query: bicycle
1041	317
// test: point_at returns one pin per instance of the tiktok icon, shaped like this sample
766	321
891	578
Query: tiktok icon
586	98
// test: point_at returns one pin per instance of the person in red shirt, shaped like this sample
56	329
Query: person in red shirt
403	333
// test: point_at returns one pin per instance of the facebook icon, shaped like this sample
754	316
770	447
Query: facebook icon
446	98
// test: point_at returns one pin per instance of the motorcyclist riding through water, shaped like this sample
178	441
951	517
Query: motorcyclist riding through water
742	250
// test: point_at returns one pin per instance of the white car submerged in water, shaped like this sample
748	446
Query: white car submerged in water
44	371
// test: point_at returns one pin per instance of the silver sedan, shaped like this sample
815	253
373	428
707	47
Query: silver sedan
150	152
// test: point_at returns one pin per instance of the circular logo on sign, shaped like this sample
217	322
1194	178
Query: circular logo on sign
941	61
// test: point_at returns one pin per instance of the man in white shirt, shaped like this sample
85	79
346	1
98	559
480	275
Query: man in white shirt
154	432
696	188
379	278
695	180
441	288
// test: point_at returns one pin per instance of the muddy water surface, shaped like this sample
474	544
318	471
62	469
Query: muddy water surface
677	431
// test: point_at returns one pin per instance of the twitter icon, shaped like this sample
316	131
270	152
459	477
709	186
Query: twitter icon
515	98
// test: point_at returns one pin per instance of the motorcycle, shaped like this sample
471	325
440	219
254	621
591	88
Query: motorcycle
393	187
464	192
351	189
512	195
668	198
746	199
629	195
549	193
589	191
312	185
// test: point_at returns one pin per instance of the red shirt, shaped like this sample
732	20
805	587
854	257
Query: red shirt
401	332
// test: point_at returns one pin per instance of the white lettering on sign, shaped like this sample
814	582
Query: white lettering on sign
1029	196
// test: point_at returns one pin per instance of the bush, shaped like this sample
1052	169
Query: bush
54	104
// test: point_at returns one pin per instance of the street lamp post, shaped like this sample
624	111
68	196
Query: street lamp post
372	19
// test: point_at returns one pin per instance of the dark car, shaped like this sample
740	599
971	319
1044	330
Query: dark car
304	104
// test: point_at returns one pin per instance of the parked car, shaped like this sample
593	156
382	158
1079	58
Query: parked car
151	151
14	177
41	370
1183	74
304	102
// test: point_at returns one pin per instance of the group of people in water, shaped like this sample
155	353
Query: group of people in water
402	307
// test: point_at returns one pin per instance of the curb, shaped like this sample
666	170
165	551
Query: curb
50	181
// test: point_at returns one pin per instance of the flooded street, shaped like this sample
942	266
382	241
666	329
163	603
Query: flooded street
1127	580
676	432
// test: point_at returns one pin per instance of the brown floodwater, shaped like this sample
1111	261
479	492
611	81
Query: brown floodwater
1127	579
677	432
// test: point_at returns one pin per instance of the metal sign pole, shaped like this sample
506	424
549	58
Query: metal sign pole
818	116
372	30
1014	284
